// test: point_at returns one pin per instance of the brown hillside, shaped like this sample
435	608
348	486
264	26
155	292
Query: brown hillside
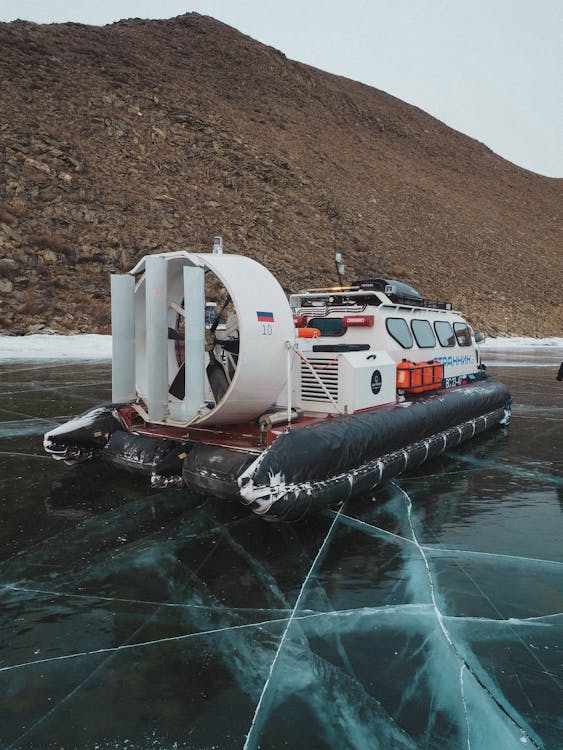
149	136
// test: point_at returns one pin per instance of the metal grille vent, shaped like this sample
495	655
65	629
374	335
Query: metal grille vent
327	371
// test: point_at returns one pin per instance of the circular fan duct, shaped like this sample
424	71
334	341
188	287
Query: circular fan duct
250	349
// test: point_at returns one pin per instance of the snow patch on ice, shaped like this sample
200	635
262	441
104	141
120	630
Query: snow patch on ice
521	342
43	347
96	347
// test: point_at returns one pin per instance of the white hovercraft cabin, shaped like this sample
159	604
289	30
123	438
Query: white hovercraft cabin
372	326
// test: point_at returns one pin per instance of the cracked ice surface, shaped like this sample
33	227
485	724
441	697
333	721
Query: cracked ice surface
427	616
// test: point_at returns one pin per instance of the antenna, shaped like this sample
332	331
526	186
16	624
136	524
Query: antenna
340	267
217	246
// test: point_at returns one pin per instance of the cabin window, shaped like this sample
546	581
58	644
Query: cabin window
328	326
399	330
445	333
423	333
462	334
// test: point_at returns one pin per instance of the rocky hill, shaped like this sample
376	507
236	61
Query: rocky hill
151	136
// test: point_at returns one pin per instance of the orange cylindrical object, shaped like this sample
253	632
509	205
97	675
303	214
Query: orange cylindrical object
308	333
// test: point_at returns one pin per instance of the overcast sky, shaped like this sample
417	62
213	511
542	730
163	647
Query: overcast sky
490	68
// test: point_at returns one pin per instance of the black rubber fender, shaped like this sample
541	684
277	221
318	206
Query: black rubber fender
142	454
213	470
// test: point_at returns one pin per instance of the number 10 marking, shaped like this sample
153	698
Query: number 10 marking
266	329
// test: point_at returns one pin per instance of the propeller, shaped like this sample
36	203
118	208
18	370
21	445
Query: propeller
216	376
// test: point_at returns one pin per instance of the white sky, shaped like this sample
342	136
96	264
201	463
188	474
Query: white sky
490	68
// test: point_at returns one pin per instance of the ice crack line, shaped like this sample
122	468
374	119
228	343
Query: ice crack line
28	418
516	635
98	668
142	644
56	389
415	610
369	527
144	602
255	727
464	704
443	628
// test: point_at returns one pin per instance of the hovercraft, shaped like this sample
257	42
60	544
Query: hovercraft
289	406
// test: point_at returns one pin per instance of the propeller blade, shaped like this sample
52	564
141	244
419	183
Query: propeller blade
216	377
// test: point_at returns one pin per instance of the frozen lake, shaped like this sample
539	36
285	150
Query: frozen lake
429	615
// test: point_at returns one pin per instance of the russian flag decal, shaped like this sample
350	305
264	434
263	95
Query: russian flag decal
265	317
